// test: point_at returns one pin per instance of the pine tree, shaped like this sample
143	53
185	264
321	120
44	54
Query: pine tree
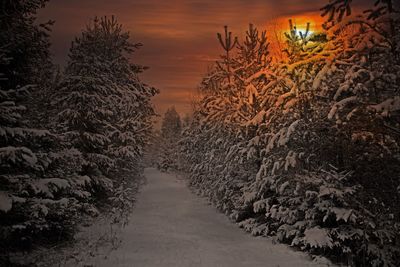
37	197
253	57
105	110
171	128
27	43
48	178
171	125
228	44
325	138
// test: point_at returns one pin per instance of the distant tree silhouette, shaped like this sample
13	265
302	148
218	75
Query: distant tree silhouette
171	129
171	125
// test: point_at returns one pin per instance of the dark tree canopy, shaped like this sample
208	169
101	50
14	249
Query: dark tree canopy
25	42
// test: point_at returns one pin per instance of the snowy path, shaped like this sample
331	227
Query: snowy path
170	226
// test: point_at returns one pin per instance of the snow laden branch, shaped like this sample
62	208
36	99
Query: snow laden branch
306	149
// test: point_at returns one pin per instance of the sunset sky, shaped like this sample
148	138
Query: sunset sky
179	36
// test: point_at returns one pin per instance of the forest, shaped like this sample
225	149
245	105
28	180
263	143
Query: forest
305	148
302	147
71	140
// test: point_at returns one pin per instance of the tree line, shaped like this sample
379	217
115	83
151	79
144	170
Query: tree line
306	148
70	141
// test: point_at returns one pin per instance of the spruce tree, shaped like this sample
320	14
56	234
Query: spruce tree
325	142
27	43
171	129
253	57
171	125
37	197
105	110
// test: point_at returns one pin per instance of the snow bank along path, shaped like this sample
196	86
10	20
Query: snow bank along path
170	226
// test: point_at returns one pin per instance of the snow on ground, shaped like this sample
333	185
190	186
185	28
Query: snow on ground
170	226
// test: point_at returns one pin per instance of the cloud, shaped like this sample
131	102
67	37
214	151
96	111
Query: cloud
179	36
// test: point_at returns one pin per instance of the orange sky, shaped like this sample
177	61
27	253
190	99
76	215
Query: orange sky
179	36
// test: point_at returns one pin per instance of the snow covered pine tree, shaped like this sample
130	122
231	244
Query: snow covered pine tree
316	160
37	199
104	109
48	177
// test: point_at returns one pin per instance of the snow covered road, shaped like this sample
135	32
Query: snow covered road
170	226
